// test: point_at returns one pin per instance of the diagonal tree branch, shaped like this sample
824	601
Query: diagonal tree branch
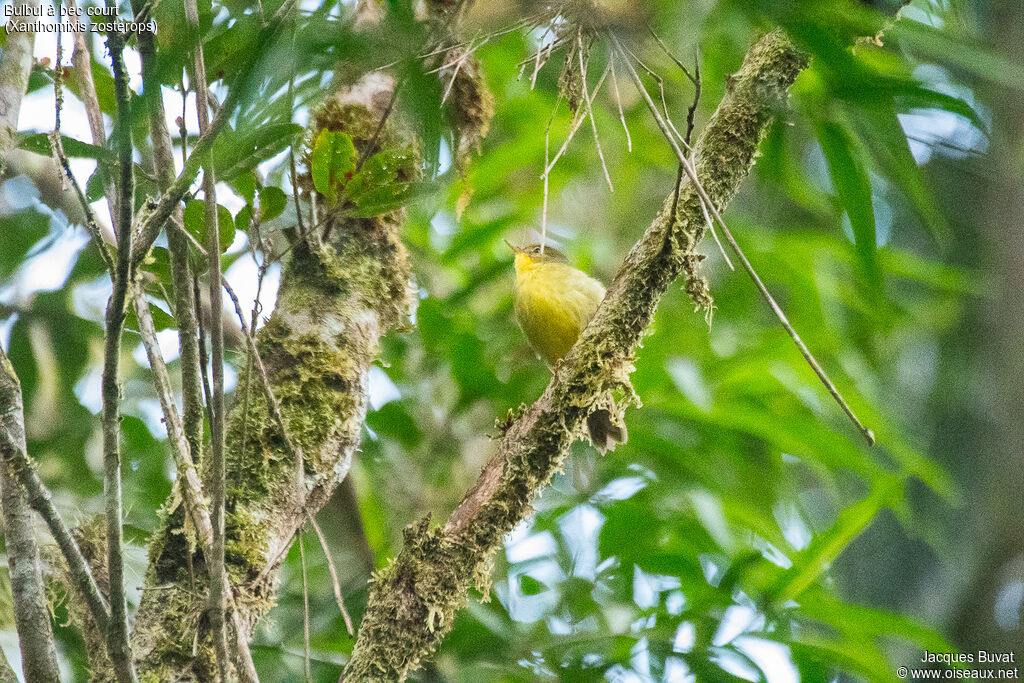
414	600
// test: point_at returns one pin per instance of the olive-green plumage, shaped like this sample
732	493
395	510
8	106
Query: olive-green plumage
554	302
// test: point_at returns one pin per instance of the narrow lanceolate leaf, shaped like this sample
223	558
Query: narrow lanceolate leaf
816	559
40	144
853	186
883	135
332	163
236	153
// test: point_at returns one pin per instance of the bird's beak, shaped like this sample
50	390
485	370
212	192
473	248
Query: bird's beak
513	247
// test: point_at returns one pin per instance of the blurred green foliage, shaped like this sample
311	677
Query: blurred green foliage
705	544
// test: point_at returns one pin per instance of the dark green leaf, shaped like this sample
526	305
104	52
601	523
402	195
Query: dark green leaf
40	144
19	232
333	160
272	202
851	182
195	223
236	153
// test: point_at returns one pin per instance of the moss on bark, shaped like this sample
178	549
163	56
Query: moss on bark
334	304
414	599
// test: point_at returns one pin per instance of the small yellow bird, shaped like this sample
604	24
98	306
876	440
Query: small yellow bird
554	302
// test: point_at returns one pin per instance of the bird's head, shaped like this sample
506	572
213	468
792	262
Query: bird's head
532	255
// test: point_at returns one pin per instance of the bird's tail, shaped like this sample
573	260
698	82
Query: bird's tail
604	432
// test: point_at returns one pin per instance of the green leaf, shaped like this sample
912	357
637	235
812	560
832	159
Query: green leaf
273	201
237	153
244	218
195	223
19	232
332	162
531	586
95	186
825	548
245	185
850	179
376	188
881	132
76	149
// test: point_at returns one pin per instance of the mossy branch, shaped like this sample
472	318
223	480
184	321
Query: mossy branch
414	600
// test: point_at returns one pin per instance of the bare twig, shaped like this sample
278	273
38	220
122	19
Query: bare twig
185	310
204	361
691	173
257	307
692	110
87	92
117	632
305	611
590	107
335	584
661	43
291	148
219	585
577	122
82	60
622	114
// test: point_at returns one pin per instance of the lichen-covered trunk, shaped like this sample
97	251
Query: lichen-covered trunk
334	304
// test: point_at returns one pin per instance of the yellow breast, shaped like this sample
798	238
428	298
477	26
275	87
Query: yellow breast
554	302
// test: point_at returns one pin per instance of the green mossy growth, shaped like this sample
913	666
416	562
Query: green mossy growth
334	303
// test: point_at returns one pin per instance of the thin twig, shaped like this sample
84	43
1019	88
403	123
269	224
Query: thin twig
577	122
291	148
664	47
250	342
204	361
219	584
692	110
547	179
91	225
257	307
702	193
117	632
372	143
622	114
590	109
335	584
81	57
40	500
305	611
185	310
